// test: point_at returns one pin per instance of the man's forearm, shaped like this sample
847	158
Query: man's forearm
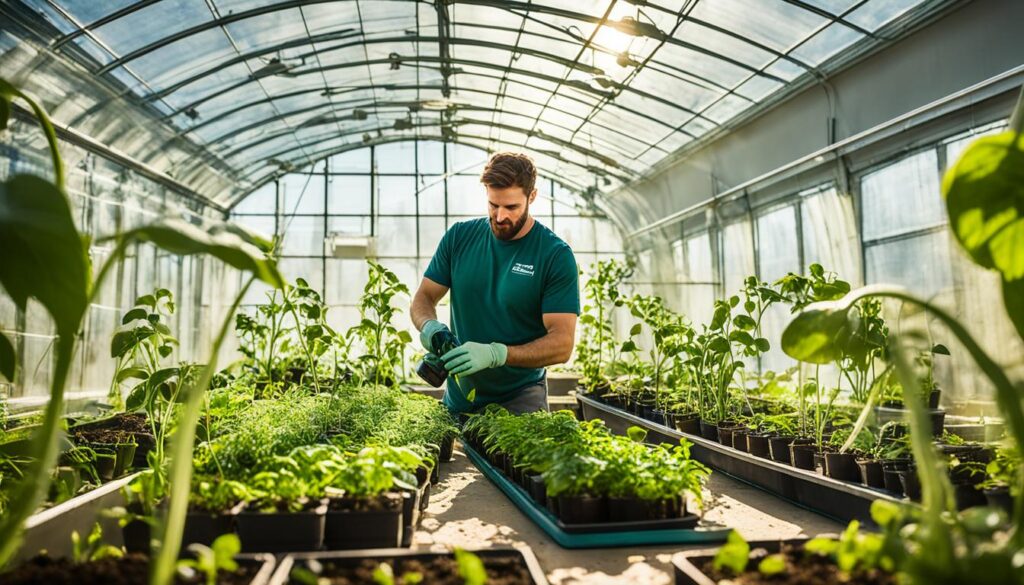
553	348
421	311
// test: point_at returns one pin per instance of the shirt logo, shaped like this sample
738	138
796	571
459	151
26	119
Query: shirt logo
524	269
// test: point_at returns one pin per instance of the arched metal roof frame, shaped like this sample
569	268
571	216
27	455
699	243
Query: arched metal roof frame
553	15
466	140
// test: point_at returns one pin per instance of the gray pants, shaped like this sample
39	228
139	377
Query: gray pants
532	398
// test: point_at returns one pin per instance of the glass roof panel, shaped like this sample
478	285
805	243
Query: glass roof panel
776	24
877	13
156	21
724	55
833	39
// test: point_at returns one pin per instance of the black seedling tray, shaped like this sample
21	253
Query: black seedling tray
597	535
840	500
353	557
686	564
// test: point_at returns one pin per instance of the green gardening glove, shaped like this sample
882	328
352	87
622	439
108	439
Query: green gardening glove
471	357
427	334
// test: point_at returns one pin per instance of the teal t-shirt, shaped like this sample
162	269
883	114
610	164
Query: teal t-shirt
500	291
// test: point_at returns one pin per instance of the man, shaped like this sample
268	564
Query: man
515	296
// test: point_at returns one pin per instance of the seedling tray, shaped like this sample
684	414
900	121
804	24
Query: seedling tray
686	564
284	569
602	535
840	500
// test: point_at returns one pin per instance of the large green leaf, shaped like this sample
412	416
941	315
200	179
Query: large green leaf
44	257
822	332
8	360
984	194
221	241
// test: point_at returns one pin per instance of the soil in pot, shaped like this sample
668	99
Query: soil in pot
800	568
439	570
871	473
758	445
582	509
842	466
132	569
688	423
778	449
282	531
802	456
363	522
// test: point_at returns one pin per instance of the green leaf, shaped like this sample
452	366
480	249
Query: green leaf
5	111
820	333
733	555
471	568
762	345
44	257
8	359
220	241
137	398
137	373
636	434
136	313
635	329
984	194
823	546
405	336
628	347
772	565
744	322
127	338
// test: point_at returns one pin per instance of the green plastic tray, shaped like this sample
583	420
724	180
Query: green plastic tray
617	538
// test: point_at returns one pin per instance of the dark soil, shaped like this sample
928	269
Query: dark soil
801	569
133	569
116	429
380	503
441	570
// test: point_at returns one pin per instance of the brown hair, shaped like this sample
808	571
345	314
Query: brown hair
510	169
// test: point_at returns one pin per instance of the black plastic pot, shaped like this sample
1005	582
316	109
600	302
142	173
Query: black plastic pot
551	504
891	479
842	466
725	434
282	531
871	473
911	484
136	536
688	423
447	449
739	438
819	462
663	417
538	489
106	461
582	509
801	456
778	449
638	510
758	445
968	496
349	529
204	527
708	430
999	497
934	397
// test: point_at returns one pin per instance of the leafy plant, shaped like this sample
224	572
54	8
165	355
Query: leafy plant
211	560
733	555
596	347
471	568
854	550
142	341
92	547
384	343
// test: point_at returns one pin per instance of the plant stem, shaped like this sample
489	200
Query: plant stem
305	346
181	459
51	140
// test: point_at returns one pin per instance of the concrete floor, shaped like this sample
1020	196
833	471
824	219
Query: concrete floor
467	510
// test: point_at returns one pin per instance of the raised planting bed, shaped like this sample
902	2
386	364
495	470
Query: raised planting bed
132	569
504	566
840	500
50	529
696	568
682	530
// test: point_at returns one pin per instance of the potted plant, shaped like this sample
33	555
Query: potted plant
287	512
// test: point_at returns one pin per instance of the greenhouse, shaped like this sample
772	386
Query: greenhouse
511	292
